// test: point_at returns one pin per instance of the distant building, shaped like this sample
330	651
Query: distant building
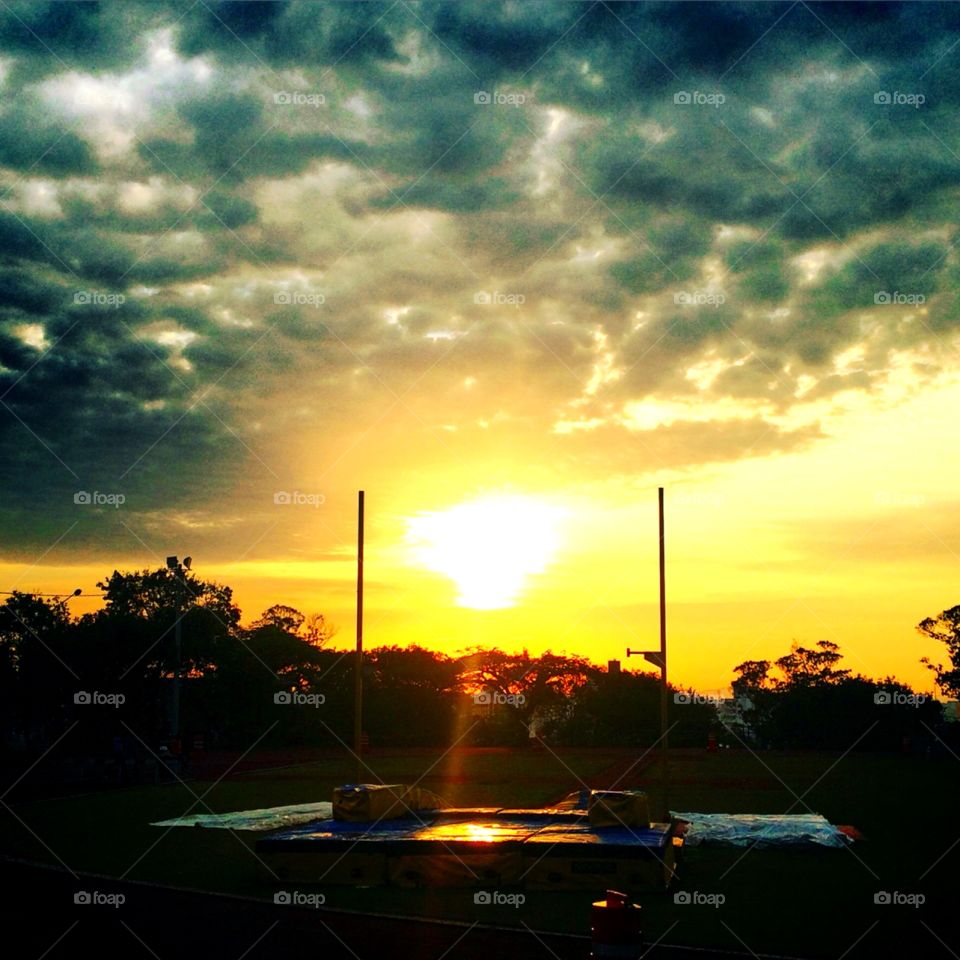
732	713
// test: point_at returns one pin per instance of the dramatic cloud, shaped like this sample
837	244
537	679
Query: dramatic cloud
251	246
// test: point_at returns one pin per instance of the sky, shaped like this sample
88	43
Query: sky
508	268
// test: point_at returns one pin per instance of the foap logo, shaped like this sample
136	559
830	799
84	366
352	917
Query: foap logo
699	298
698	99
299	99
293	698
897	698
895	898
494	698
899	99
296	898
895	298
495	898
687	898
97	298
97	499
691	696
96	898
299	298
297	498
484	298
84	698
898	498
498	99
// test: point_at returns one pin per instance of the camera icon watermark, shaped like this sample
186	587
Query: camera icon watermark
497	98
685	698
489	698
896	298
98	499
297	498
495	898
897	698
97	298
699	298
299	99
296	898
296	699
898	98
698	99
687	898
886	898
299	298
84	698
96	898
485	299
898	498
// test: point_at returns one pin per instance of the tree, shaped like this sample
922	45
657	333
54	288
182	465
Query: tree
754	676
813	704
945	627
806	668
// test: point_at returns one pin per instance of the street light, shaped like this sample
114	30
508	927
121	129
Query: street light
659	659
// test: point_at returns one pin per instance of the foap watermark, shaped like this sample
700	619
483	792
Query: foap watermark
897	698
297	498
895	898
898	98
692	696
85	698
500	99
97	298
296	898
96	898
687	898
698	98
494	698
898	498
296	699
98	499
496	898
298	98
497	299
299	298
700	298
895	298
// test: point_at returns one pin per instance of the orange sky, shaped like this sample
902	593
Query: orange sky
850	540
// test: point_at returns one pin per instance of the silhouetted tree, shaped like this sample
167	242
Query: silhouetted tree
945	627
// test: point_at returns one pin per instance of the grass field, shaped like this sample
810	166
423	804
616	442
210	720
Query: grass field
802	903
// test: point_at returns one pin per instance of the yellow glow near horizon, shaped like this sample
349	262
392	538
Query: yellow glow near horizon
487	547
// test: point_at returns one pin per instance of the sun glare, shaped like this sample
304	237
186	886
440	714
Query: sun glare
487	547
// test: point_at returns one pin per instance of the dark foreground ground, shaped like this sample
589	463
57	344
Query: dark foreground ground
817	903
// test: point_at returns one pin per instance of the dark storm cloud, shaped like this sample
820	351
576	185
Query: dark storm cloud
29	142
283	34
231	140
50	36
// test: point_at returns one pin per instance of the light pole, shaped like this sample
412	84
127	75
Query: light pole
659	659
358	663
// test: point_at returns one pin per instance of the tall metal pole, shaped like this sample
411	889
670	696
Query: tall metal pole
358	666
664	755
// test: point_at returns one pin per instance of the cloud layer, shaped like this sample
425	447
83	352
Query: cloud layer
249	248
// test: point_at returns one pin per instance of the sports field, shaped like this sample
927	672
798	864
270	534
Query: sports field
809	903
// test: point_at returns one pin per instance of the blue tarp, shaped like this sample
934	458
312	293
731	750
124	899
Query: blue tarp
267	818
770	830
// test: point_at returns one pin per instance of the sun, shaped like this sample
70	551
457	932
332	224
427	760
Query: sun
487	547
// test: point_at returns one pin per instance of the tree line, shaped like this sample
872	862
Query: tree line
168	657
